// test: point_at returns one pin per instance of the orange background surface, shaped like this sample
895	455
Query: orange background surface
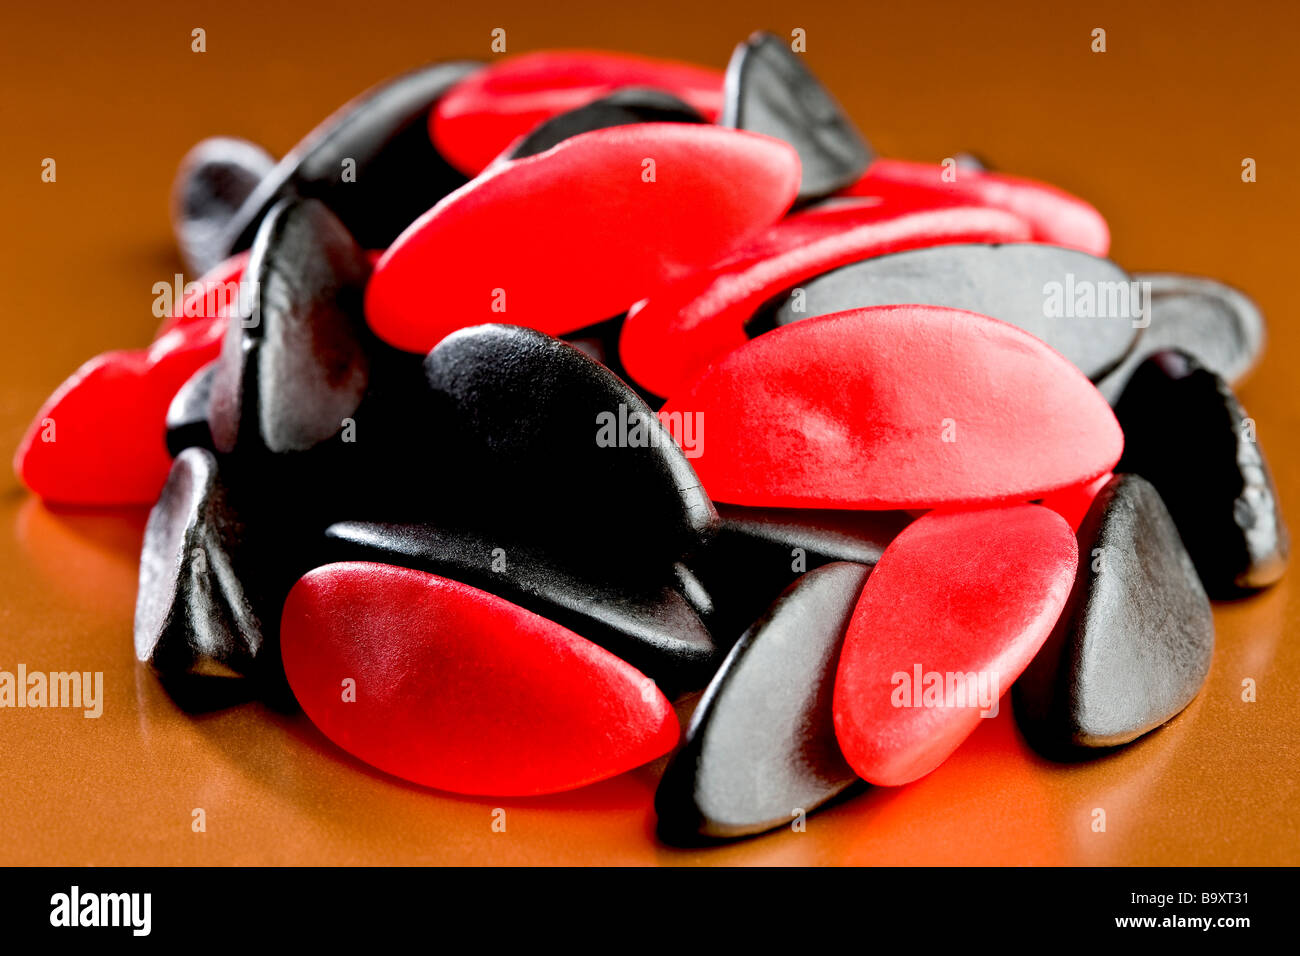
1153	132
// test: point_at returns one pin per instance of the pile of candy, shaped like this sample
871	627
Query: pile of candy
520	400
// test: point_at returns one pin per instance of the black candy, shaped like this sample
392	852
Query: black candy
648	623
1186	433
187	416
1007	281
768	90
623	107
692	588
399	173
552	448
1218	325
211	585
294	369
393	464
214	179
757	553
1133	644
761	745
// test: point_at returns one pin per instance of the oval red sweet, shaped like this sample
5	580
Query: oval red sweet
100	439
1056	216
895	407
488	110
458	689
576	234
956	608
671	337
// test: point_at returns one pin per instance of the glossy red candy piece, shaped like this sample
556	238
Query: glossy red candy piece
889	407
100	439
487	111
973	594
211	298
671	337
1073	503
576	234
461	690
1056	216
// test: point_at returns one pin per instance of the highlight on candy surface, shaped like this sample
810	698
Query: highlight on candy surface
673	335
486	112
954	611
461	690
100	439
897	407
576	234
1055	215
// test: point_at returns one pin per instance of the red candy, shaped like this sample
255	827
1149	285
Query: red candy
461	690
490	109
896	407
965	593
211	298
671	337
1055	215
1073	503
576	234
100	438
